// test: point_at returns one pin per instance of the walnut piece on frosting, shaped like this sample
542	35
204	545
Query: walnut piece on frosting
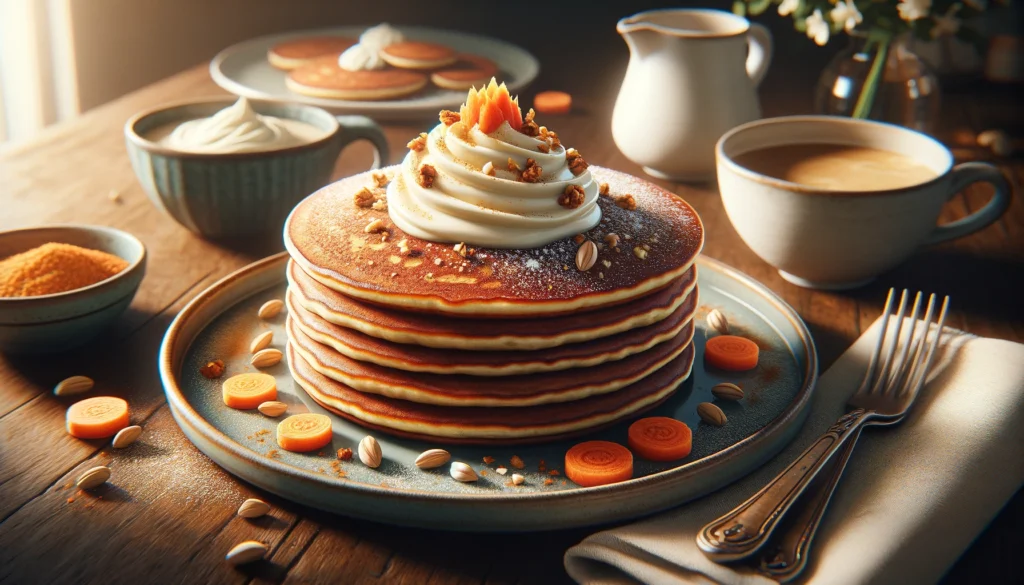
532	172
572	197
419	143
426	177
449	117
529	127
576	163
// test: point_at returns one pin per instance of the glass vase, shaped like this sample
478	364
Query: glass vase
906	93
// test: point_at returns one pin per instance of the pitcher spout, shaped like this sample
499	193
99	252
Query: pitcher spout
641	36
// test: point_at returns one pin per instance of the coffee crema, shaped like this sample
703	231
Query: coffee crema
837	167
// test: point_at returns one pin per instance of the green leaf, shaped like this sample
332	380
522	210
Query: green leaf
739	8
756	7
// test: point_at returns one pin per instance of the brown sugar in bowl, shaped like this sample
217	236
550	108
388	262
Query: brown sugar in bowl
56	322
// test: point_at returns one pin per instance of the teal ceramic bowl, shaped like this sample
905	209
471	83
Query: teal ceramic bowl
62	321
242	193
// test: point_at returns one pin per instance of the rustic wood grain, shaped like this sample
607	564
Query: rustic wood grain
168	514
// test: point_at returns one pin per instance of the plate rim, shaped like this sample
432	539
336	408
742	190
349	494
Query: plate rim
170	361
385	107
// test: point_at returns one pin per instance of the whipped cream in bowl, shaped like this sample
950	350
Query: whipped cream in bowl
502	188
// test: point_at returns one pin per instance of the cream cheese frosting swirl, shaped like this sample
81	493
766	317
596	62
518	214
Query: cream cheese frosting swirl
464	204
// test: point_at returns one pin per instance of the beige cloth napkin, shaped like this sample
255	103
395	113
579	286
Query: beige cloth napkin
911	501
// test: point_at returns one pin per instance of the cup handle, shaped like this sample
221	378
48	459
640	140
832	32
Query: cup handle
966	174
362	128
759	52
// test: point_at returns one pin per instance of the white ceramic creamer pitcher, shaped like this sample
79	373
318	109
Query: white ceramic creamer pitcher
692	76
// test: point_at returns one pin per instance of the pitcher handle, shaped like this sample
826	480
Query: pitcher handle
759	52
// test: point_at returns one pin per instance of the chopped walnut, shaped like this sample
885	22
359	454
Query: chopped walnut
460	249
603	189
626	202
214	369
488	459
380	205
640	253
380	179
572	197
576	163
516	460
344	454
363	197
419	143
550	136
606	263
375	227
579	238
530	127
426	177
449	117
612	240
544	147
514	166
532	172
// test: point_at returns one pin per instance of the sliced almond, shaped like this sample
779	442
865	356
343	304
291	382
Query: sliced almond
727	391
639	252
711	414
432	458
73	385
270	309
93	478
272	408
718	322
517	479
261	341
370	453
253	508
586	256
265	358
462	472
246	552
375	226
126	436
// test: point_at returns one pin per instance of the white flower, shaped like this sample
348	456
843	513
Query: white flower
817	28
911	10
846	13
788	7
947	24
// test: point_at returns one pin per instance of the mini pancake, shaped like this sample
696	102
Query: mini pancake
460	390
325	235
298	52
468	71
484	425
325	78
416	358
486	334
417	55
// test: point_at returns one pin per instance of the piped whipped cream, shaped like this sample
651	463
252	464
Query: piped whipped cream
377	37
359	58
238	128
465	204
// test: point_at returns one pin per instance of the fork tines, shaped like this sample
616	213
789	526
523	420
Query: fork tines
908	353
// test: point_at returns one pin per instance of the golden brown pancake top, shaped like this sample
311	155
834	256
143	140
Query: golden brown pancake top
309	47
419	51
327	74
658	241
468	68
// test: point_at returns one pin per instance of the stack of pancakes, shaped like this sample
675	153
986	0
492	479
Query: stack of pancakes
439	342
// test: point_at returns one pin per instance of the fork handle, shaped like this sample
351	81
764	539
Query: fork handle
743	531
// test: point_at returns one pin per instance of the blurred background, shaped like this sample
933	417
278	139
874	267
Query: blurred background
59	58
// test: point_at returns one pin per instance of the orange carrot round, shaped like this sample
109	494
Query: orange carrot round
248	391
595	463
304	432
552	102
660	438
97	418
731	352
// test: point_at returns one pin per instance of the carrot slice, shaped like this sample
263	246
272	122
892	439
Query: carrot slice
98	417
247	391
552	102
660	438
593	463
304	432
731	352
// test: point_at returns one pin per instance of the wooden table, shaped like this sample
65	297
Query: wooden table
168	515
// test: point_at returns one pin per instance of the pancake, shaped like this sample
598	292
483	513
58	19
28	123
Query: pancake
486	334
325	78
416	358
483	425
460	390
417	55
325	234
298	52
466	72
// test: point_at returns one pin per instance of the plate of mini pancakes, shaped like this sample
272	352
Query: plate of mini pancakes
503	358
433	68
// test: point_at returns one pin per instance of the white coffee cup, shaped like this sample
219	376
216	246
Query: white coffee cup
831	239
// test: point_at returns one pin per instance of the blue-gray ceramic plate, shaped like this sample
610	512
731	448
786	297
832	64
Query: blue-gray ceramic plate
221	321
243	70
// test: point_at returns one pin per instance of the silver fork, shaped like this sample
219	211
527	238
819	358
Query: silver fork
896	373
